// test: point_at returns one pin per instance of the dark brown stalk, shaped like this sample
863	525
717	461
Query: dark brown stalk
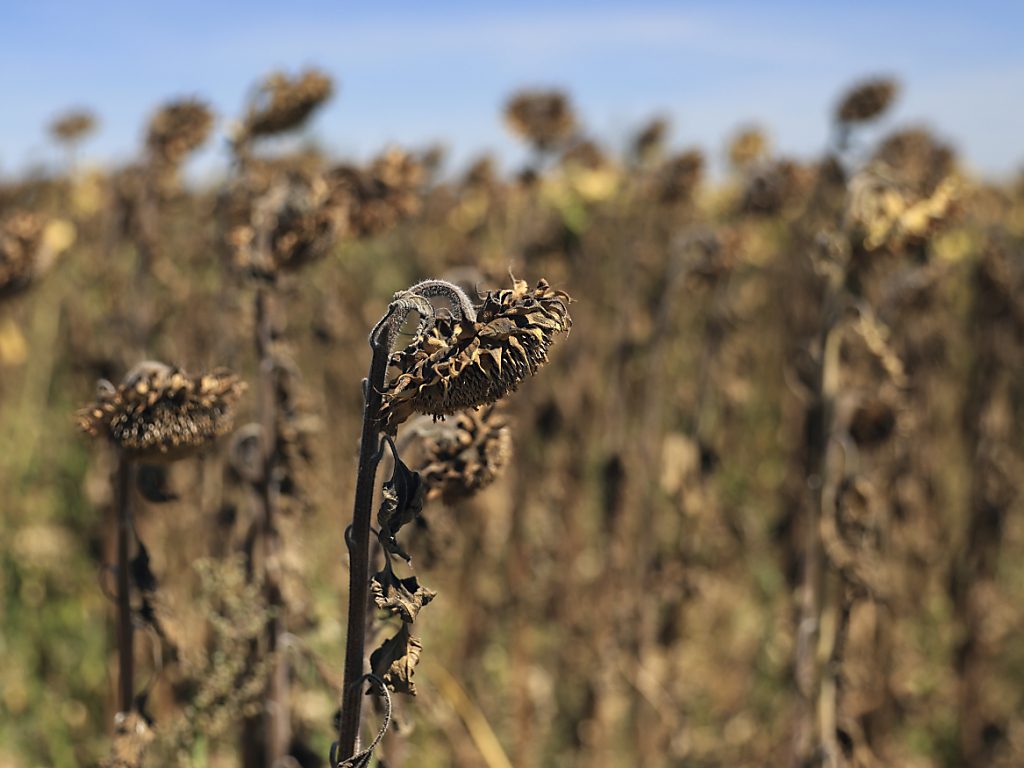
267	735
359	542
357	536
818	421
125	647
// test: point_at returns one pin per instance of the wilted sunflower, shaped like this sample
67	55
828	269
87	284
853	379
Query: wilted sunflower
73	126
466	455
678	178
543	118
918	158
747	147
177	129
284	103
460	364
21	238
882	211
292	223
160	412
866	100
775	187
649	141
380	196
585	154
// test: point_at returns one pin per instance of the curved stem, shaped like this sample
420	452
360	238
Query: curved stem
359	538
461	306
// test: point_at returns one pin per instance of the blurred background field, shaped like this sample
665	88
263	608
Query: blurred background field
762	505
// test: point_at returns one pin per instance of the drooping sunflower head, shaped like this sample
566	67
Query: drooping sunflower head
73	126
465	455
866	100
21	238
283	103
178	128
461	363
544	118
160	412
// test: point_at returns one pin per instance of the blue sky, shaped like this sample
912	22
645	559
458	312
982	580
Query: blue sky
416	72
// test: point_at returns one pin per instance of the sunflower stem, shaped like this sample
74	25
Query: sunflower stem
125	649
359	538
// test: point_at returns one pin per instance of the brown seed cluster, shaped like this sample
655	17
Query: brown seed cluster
586	155
177	129
466	455
544	118
678	178
460	364
649	141
292	223
73	126
918	158
160	412
748	147
283	103
866	100
21	237
381	195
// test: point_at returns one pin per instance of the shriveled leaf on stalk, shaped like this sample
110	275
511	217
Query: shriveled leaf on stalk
403	497
395	661
402	597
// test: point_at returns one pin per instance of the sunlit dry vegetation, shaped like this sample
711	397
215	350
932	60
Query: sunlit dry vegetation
749	497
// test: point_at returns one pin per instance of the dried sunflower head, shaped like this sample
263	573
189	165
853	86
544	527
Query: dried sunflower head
160	412
917	157
679	177
73	126
177	129
21	239
543	118
649	141
284	103
292	222
465	455
380	196
866	101
747	147
465	363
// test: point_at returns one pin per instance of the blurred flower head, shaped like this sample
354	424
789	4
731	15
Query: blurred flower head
73	126
177	129
160	412
465	455
866	100
544	118
283	103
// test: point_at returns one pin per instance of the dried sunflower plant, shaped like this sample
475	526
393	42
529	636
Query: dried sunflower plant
462	358
276	224
158	414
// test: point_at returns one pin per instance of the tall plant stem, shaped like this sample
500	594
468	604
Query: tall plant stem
382	337
359	549
267	736
125	649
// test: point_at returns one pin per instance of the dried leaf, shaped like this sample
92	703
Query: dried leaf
402	597
403	497
395	661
